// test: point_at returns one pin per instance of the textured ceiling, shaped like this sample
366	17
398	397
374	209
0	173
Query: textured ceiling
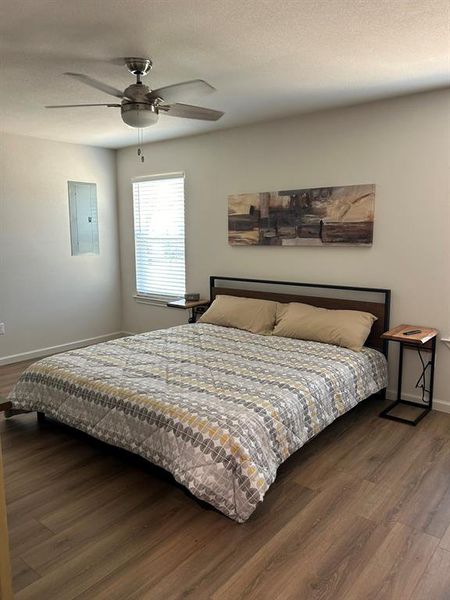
267	58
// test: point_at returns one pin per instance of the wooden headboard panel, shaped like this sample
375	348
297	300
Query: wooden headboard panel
379	309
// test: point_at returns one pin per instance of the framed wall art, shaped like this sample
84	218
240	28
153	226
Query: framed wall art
323	216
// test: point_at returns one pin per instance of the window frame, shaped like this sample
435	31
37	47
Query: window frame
156	299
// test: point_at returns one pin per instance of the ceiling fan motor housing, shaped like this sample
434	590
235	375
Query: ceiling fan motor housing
138	66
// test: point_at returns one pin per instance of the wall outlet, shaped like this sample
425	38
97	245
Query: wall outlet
2	329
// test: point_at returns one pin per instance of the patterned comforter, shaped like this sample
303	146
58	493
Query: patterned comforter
219	408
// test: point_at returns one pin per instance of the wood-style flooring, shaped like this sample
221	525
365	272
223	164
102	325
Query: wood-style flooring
362	512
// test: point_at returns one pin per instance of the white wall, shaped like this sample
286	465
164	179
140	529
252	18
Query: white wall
47	296
401	145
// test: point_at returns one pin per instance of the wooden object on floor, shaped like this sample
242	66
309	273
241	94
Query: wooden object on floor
5	564
361	511
9	375
423	339
4	405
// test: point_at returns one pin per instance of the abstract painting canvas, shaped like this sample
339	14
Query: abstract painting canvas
325	216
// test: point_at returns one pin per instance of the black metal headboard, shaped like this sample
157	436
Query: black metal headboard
380	309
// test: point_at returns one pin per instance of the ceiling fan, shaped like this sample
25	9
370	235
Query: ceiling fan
140	106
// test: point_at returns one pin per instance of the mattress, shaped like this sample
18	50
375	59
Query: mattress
219	408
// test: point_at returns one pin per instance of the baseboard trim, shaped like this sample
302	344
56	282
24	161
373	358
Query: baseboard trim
49	350
439	405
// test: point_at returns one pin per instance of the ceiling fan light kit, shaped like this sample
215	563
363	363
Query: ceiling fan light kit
139	115
140	106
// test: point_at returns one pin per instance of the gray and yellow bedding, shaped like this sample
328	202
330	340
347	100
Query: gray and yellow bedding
220	408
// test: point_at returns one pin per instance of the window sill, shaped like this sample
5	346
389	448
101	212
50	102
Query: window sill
153	301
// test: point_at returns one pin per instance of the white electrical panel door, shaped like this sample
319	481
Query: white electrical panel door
83	218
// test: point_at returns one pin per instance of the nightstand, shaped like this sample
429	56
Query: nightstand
424	339
196	307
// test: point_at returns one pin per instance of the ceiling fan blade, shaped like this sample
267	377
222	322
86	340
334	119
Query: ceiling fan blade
98	85
81	105
182	91
192	112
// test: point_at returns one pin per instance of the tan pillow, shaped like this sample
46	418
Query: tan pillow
257	316
348	328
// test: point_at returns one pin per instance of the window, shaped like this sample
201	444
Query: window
159	236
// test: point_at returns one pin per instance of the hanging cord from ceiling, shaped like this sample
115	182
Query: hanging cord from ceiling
140	151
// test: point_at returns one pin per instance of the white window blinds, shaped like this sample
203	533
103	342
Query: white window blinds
159	236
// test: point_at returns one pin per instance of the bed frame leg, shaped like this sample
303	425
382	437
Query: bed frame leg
12	412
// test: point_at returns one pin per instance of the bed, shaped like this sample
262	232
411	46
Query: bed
219	408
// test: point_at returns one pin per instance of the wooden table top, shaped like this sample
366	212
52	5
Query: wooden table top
398	334
182	303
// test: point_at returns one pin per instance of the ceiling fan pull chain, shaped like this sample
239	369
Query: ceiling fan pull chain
140	152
